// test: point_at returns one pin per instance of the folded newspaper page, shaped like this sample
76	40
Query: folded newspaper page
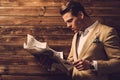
38	48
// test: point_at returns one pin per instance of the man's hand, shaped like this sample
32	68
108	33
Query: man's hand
82	64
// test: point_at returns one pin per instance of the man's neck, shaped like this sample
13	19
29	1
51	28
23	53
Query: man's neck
89	21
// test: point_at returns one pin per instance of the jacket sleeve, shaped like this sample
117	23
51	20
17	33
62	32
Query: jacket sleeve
70	56
112	48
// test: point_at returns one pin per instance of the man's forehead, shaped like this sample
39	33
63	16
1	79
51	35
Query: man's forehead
67	16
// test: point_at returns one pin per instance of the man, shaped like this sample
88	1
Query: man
95	50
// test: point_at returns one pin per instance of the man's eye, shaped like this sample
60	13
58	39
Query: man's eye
70	20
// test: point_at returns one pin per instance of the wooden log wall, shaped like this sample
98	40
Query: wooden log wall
41	18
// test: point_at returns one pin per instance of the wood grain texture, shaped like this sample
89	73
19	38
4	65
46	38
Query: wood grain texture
54	11
41	19
20	20
56	77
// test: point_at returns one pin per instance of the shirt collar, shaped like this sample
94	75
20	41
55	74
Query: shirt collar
90	28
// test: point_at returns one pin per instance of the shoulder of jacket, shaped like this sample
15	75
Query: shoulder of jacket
105	28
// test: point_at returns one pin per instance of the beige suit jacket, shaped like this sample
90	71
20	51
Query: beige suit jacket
103	45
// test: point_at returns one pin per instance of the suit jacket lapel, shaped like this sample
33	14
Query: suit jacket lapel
75	46
90	40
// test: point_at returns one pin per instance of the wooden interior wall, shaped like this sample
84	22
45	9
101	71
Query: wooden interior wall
41	18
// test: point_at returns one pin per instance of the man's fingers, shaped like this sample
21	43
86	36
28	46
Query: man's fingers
76	62
82	64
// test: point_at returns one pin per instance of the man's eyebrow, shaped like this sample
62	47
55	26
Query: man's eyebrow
69	20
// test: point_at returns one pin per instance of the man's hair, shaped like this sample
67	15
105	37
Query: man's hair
74	7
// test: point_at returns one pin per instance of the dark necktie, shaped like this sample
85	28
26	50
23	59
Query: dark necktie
77	41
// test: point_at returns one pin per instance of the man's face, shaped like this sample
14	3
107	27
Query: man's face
76	23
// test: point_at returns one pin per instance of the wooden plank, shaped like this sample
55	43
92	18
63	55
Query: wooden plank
13	49
35	30
113	21
51	31
16	30
19	20
105	3
103	11
46	77
26	70
29	11
13	77
54	11
16	50
7	59
96	3
15	20
19	40
30	3
18	59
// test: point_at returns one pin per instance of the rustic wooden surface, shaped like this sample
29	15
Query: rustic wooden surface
41	18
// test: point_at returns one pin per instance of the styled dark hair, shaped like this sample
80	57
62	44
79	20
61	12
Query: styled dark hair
74	7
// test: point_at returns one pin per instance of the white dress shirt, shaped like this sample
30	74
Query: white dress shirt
82	39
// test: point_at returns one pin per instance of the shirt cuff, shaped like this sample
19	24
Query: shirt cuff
94	63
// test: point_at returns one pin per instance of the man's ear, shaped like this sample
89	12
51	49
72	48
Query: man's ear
80	14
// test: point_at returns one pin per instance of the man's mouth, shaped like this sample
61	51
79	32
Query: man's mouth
75	30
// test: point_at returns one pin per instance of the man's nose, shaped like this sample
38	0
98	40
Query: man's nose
68	25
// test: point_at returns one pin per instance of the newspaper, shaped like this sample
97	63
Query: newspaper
38	48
